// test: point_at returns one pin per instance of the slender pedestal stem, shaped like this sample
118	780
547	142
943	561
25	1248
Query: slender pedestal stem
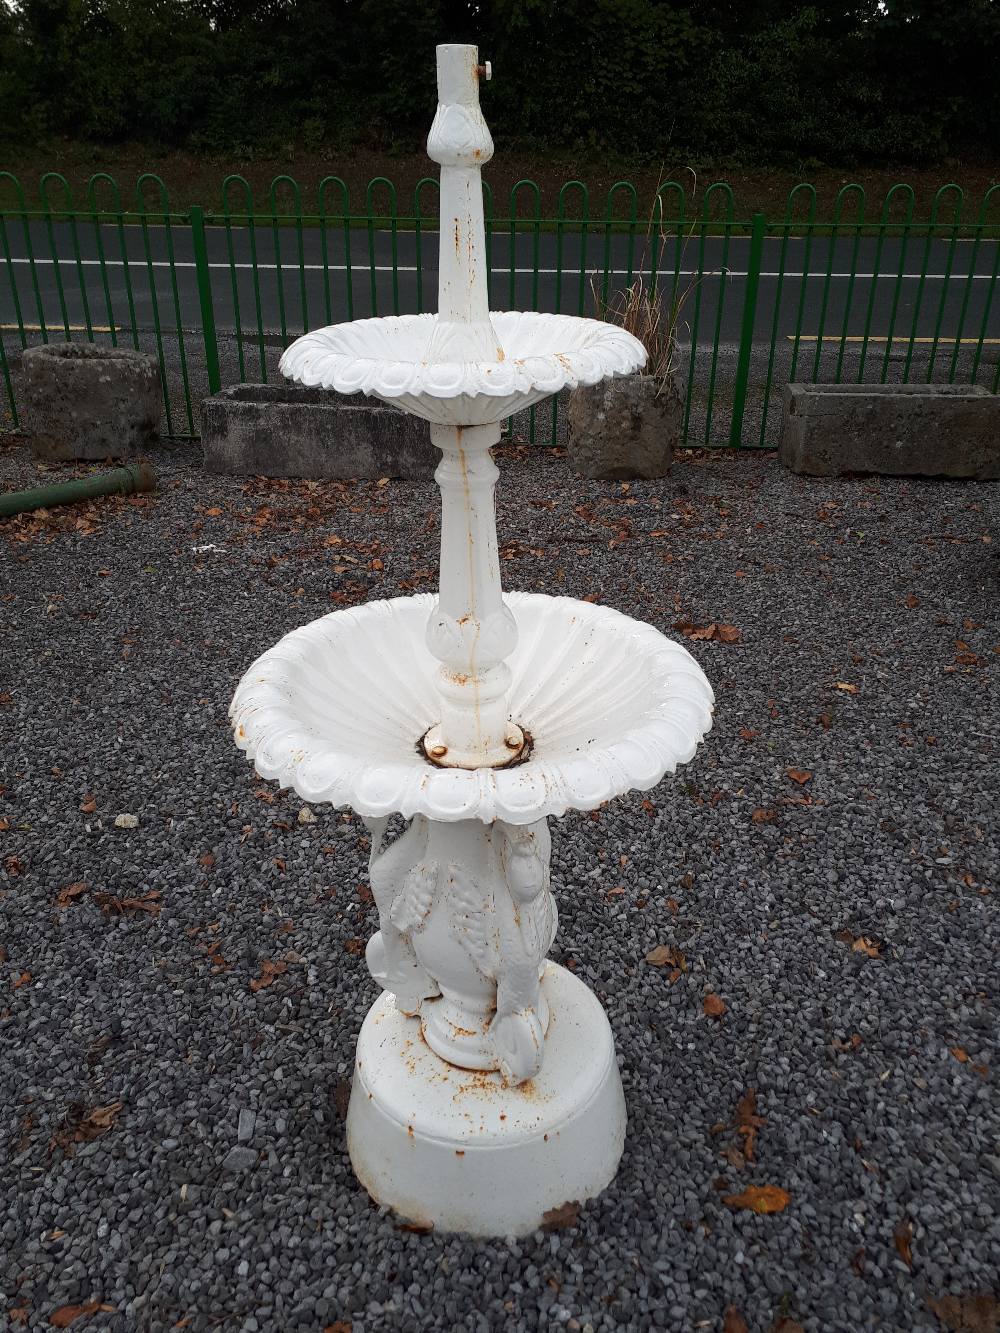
470	631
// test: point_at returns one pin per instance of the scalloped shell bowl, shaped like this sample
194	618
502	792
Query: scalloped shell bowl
384	357
335	710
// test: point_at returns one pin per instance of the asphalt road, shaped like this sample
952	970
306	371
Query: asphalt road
308	278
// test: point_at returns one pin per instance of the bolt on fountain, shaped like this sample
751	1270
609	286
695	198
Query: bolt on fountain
486	1089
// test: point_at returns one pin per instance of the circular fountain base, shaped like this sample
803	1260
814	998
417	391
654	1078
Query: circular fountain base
455	1149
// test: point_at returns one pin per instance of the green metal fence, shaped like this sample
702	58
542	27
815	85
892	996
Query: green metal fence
870	293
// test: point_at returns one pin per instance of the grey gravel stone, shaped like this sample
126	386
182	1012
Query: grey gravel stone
239	1159
248	1120
121	692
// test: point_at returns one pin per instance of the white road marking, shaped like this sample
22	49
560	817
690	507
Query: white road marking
571	274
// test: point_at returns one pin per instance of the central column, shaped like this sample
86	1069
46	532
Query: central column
470	631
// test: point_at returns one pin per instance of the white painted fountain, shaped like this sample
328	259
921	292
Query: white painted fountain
486	1089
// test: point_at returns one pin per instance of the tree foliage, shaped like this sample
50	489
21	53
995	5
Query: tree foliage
750	80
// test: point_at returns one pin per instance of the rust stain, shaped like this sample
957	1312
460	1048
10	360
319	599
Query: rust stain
457	236
459	1152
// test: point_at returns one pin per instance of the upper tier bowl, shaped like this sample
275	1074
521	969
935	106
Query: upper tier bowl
541	354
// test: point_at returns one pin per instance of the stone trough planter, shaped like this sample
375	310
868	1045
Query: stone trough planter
625	429
902	430
88	402
285	430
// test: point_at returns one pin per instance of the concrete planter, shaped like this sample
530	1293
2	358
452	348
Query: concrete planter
89	402
283	430
625	428
902	430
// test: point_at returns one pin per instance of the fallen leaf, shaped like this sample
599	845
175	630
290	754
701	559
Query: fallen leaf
721	633
825	720
851	1045
760	1199
799	775
89	804
843	685
207	859
111	904
340	1325
268	972
785	1325
558	1219
66	896
713	1006
21	980
764	816
67	1314
912	600
733	1321
665	955
13	865
903	1236
869	947
747	1121
747	735
355	947
342	1098
19	1314
960	1054
974	1313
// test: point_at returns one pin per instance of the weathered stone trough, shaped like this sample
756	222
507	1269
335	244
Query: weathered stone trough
903	430
286	430
89	402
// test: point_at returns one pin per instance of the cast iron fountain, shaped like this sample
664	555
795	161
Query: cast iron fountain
486	1090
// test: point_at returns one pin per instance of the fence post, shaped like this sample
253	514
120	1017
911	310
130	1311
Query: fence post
746	329
196	217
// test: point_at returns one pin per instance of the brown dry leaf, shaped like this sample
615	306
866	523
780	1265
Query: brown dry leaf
355	947
115	906
339	1325
764	816
799	775
268	972
843	685
825	720
976	1313
207	859
903	1236
22	980
746	734
960	1054
747	1121
98	1121
665	955
68	1314
720	633
558	1219
785	1325
713	1006
733	1321
760	1199
66	895
912	600
342	1098
869	947
19	1314
13	865
852	1044
89	804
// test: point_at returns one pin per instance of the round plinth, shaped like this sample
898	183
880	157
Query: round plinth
456	1149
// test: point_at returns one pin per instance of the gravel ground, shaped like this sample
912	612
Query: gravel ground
172	1140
